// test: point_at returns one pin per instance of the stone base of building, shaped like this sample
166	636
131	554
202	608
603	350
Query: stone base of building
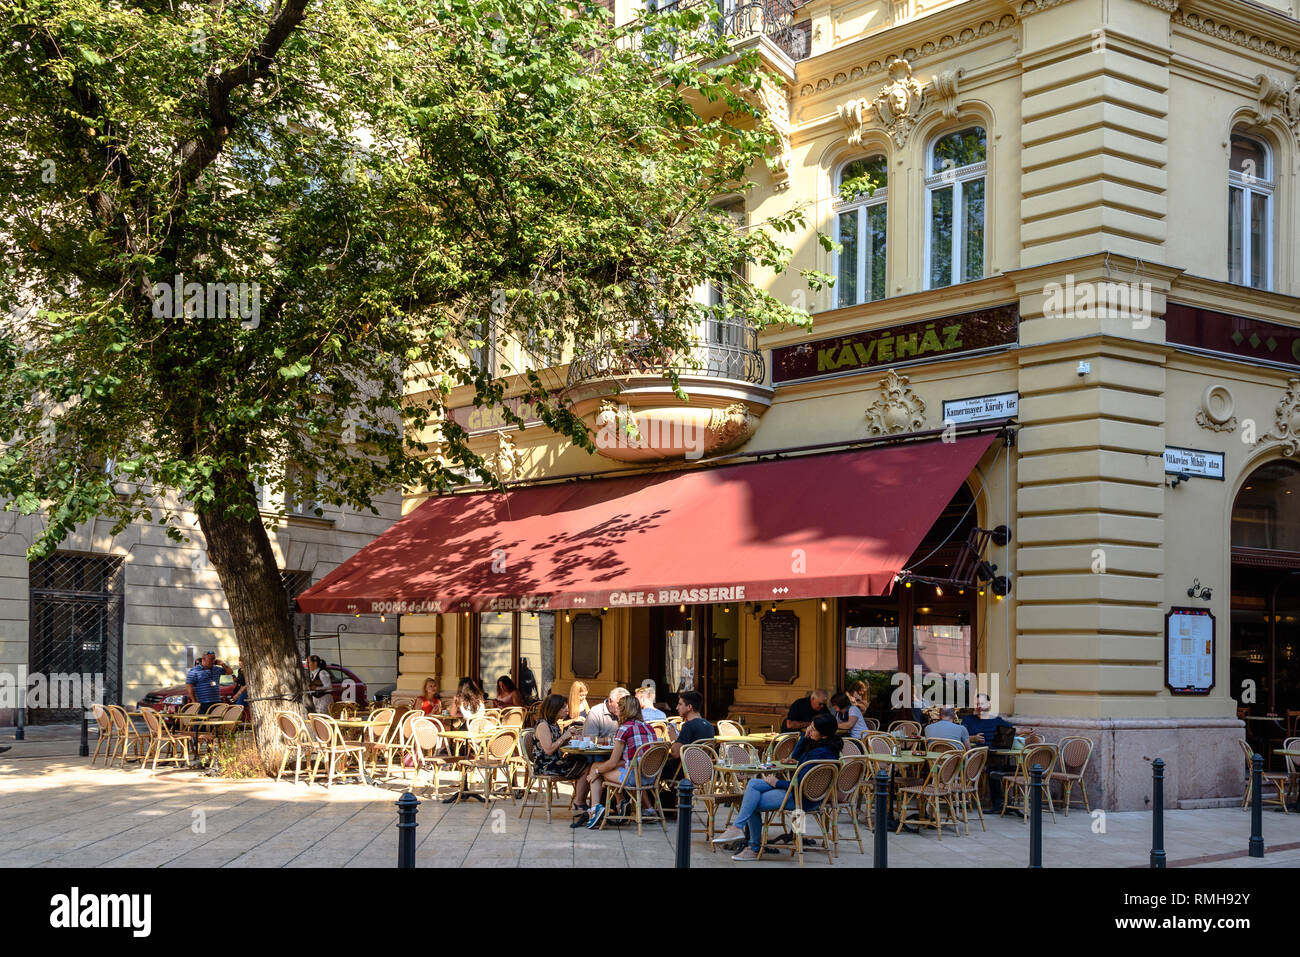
1204	765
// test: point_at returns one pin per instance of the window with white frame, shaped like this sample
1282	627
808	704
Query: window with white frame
720	337
1250	212
954	225
860	232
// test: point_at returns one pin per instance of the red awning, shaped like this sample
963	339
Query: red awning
807	527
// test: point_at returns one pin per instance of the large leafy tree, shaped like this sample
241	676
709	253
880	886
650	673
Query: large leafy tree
358	187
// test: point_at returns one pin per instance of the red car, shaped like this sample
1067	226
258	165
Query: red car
171	699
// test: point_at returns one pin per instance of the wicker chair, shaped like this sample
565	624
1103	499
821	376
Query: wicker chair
815	786
127	736
935	745
106	739
424	745
782	747
737	752
1075	751
909	728
513	717
294	739
162	739
1033	737
941	786
710	790
728	728
192	707
973	764
379	740
1020	782
1278	780
872	723
330	746
660	728
853	747
491	755
544	785
879	742
848	789
642	778
1292	763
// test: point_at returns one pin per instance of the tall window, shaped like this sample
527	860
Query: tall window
954	241
1250	213
519	644
860	231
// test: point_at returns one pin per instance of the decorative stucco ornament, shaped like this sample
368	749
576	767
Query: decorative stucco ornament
504	462
1279	98
944	87
730	426
1286	427
896	106
898	409
1215	411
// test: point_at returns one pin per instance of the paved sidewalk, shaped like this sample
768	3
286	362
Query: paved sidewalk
56	811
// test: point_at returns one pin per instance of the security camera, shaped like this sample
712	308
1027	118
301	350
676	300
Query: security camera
1084	368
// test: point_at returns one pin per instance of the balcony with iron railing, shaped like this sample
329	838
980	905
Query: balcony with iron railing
737	20
622	386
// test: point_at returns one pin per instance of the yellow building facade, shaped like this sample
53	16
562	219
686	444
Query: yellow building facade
1084	241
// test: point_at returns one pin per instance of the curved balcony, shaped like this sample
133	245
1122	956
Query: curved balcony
773	19
619	388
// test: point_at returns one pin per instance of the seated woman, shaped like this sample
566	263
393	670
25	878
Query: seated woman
819	743
860	694
546	755
508	695
632	735
848	715
430	702
468	703
578	706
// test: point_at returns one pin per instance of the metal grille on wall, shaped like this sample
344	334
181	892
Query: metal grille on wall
295	583
75	614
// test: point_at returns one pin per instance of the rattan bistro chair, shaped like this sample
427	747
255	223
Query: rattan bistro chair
711	791
330	746
642	778
293	740
941	787
782	747
1074	751
543	785
1017	786
106	738
853	748
816	787
848	788
973	764
162	739
728	728
909	728
127	735
492	755
1277	780
425	749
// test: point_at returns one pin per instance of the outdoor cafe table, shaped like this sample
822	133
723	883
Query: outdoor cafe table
192	722
358	724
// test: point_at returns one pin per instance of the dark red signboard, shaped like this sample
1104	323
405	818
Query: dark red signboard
1234	335
931	339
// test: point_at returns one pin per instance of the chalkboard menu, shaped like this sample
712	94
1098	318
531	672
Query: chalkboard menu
584	652
779	647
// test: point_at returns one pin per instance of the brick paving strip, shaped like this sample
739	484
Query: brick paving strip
1231	855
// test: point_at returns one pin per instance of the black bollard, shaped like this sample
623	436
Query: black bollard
1157	813
685	791
1037	783
20	729
407	805
85	737
880	856
1256	807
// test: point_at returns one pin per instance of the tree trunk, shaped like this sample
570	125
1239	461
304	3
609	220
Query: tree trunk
241	552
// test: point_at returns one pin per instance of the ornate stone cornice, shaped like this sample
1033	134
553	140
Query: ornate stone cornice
1279	99
1234	35
911	54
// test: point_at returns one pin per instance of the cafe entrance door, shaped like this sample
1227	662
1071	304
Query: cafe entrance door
697	649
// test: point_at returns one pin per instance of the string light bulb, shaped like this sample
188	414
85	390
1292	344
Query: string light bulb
907	583
682	608
823	604
938	592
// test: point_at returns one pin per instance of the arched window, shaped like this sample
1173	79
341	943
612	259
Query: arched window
1250	212
860	231
954	226
1266	513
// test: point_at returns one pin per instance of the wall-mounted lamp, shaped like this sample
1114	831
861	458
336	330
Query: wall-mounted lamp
1001	585
1198	590
1179	479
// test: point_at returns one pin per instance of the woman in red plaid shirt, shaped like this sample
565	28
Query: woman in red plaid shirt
633	734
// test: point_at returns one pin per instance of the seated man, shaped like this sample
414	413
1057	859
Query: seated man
802	712
694	728
982	728
947	727
602	720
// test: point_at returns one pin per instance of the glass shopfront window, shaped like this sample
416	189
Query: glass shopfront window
518	644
